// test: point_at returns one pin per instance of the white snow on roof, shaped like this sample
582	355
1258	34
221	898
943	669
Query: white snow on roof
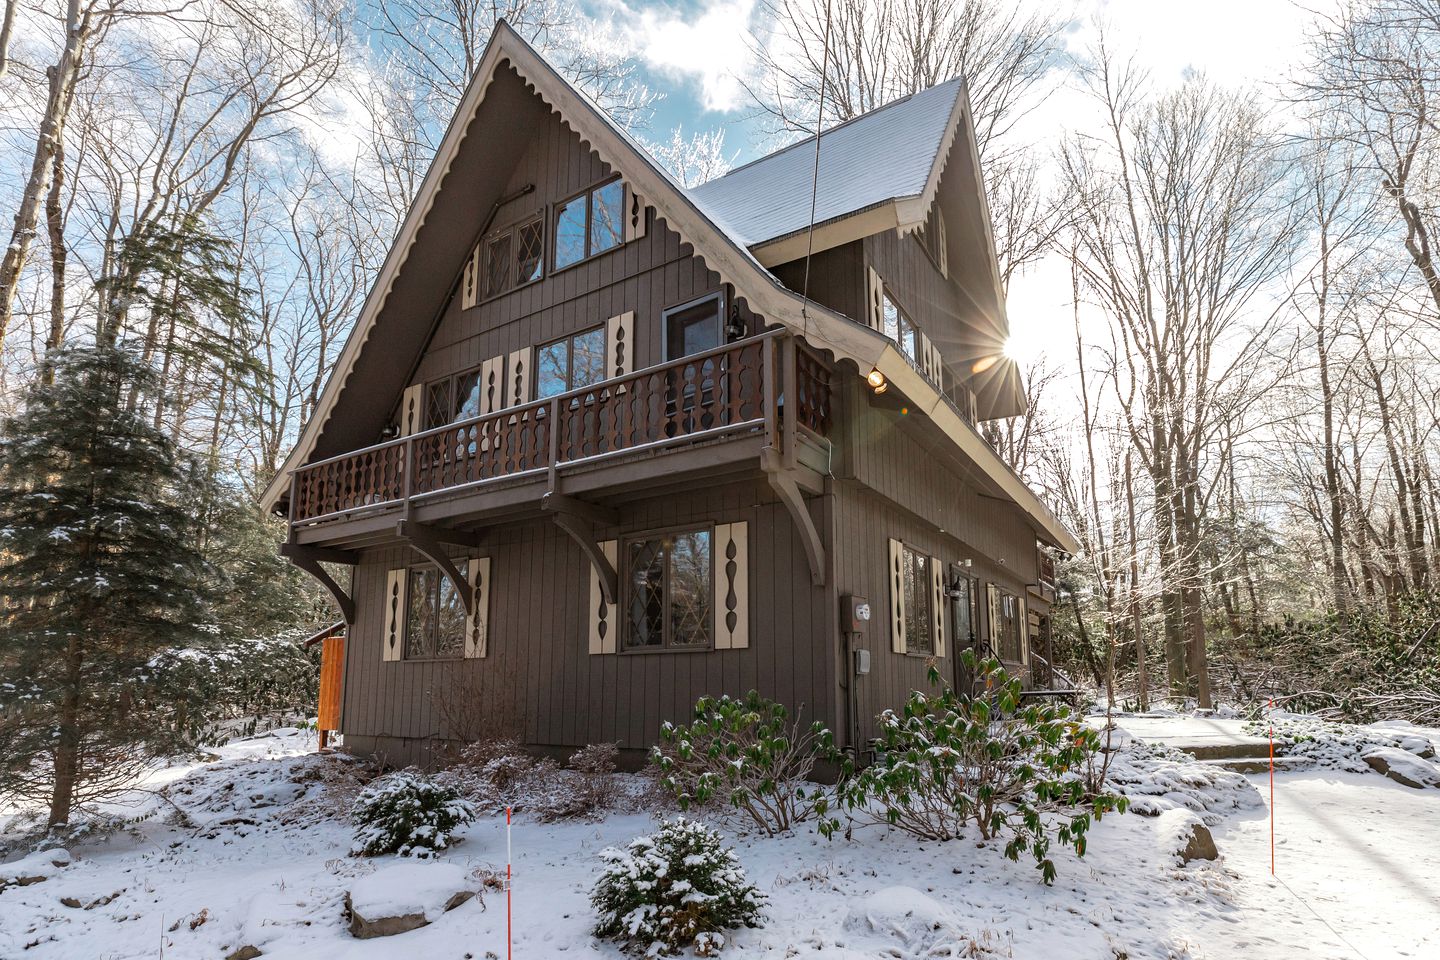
883	155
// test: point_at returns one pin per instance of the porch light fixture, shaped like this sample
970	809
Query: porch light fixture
877	380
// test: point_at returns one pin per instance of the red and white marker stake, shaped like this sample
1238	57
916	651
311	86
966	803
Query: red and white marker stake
509	939
1271	718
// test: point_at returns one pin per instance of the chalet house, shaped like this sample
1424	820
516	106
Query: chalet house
599	444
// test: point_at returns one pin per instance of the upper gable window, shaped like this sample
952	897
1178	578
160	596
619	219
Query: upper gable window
452	398
513	256
570	363
589	224
900	328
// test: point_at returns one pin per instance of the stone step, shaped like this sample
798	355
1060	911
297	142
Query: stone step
1258	764
1246	748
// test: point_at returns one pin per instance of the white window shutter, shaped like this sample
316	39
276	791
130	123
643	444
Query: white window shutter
620	345
897	596
937	592
992	596
874	300
517	378
392	641
411	409
634	215
1023	615
492	385
731	565
470	280
477	624
941	252
604	623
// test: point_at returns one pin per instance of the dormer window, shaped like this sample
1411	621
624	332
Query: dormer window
590	224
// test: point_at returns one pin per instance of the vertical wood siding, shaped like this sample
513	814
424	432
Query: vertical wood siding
538	666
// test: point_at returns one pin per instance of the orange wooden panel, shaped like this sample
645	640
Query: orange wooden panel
332	665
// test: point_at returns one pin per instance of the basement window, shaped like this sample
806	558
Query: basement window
919	612
434	615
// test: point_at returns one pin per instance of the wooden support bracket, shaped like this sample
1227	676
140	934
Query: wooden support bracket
310	559
782	481
578	518
429	543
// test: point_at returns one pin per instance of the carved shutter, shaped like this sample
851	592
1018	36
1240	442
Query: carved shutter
517	378
411	409
732	586
477	624
1022	616
992	628
941	253
620	345
897	596
470	281
937	593
927	357
874	300
604	625
392	641
634	215
492	385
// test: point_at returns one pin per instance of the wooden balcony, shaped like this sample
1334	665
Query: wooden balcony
746	390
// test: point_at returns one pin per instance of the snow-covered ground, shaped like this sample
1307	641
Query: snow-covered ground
264	862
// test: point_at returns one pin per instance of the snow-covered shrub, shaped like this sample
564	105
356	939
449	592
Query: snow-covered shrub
677	887
1342	746
750	754
1157	778
407	813
595	764
949	762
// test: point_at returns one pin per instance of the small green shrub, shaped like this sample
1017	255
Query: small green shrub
679	887
407	813
1009	769
750	754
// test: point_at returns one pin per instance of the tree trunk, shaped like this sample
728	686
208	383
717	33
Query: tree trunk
55	222
67	742
62	76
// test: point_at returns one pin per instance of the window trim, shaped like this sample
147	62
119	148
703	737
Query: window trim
553	217
405	657
623	645
665	313
512	230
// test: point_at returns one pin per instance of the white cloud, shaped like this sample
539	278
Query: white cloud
708	47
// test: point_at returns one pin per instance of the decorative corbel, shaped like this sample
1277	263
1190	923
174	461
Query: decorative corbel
310	559
782	481
429	542
578	519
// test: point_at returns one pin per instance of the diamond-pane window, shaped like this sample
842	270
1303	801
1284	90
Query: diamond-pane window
670	600
497	265
529	251
435	615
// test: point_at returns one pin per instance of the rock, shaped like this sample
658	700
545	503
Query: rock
34	868
403	897
1403	767
71	902
1200	846
246	952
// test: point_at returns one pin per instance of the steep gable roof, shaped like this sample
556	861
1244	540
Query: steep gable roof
419	273
887	154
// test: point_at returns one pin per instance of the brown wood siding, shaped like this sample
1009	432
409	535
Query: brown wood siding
646	275
538	665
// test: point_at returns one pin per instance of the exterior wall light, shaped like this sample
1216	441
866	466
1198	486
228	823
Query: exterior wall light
877	380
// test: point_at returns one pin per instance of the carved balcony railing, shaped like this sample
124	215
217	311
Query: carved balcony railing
737	388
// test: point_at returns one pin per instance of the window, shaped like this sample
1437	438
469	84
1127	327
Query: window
571	363
915	572
694	327
590	223
1007	631
669	592
900	328
513	256
434	615
962	613
453	398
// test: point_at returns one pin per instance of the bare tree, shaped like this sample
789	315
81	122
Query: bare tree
696	159
1183	222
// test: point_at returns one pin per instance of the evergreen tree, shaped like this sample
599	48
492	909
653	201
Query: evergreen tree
100	572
